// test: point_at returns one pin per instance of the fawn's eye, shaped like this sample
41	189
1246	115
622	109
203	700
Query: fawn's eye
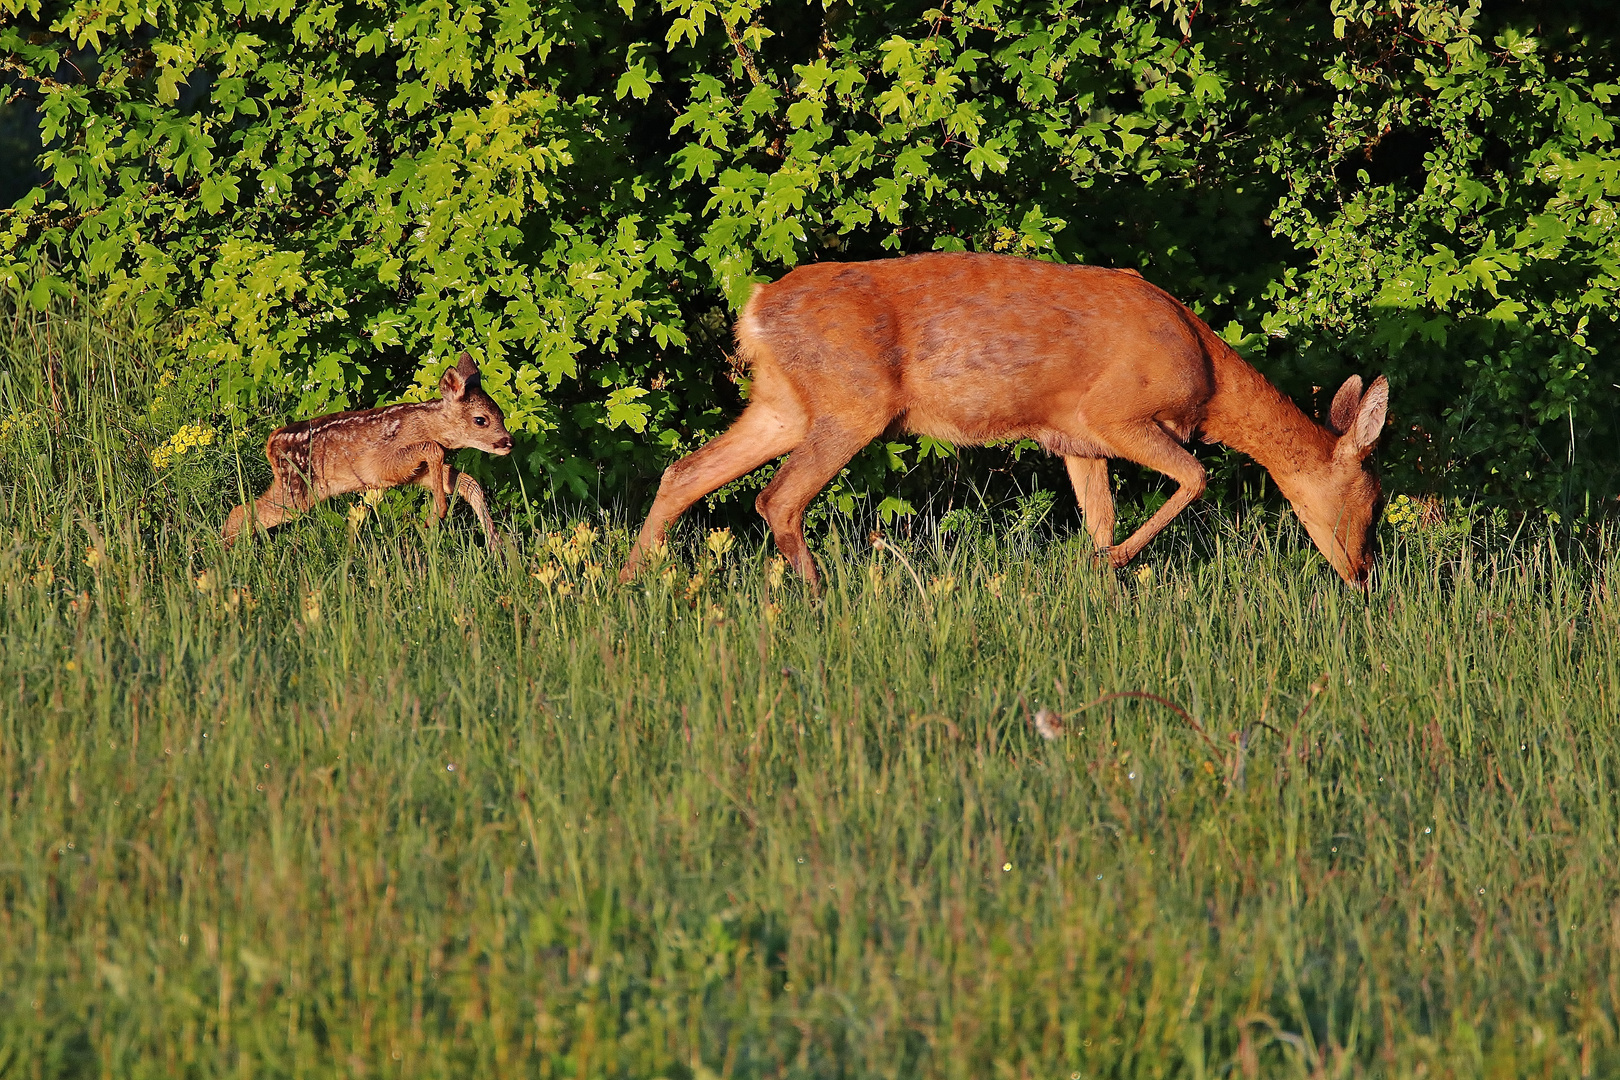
480	420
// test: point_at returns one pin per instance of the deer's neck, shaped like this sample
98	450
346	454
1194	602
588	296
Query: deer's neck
1250	415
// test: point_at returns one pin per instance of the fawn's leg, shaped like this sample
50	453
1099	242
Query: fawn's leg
1090	479
1152	446
764	431
423	464
439	470
233	525
268	510
468	489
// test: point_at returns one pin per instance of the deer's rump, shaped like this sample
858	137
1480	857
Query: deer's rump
974	349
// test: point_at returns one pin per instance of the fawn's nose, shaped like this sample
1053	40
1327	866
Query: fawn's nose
504	442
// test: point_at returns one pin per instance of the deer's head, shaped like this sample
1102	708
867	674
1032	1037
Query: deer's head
1339	504
468	416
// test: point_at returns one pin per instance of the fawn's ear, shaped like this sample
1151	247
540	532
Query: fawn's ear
1362	434
1343	412
456	381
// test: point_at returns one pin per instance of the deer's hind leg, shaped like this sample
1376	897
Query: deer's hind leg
289	492
268	510
765	430
807	470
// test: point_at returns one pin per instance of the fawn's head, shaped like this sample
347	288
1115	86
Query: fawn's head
1339	503
468	416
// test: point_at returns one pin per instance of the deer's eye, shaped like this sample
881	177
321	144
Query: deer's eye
480	420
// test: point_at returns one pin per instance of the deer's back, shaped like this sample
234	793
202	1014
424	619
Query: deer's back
975	348
334	446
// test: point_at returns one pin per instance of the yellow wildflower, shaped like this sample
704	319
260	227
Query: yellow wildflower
181	443
720	541
1409	515
20	424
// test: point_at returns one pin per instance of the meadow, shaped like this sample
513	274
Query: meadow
368	799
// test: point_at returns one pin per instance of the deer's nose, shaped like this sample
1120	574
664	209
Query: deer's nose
504	442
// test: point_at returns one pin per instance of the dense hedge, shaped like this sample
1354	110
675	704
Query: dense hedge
332	198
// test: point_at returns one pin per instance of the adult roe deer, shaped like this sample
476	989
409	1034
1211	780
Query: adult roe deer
382	448
1089	362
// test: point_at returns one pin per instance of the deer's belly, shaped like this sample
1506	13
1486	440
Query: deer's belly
976	427
346	473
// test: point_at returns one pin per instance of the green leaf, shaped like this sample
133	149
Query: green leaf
893	507
216	190
981	157
637	81
623	408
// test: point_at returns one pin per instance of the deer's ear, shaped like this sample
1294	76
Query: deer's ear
453	383
1362	435
1345	401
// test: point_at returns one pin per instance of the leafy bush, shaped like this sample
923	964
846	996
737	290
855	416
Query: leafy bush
331	201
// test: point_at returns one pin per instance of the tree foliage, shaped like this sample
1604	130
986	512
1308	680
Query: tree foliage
331	199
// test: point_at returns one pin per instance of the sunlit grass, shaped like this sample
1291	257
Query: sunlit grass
365	796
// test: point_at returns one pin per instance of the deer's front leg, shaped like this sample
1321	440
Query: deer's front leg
468	489
424	464
440	485
1090	479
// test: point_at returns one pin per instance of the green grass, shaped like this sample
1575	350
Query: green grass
453	823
